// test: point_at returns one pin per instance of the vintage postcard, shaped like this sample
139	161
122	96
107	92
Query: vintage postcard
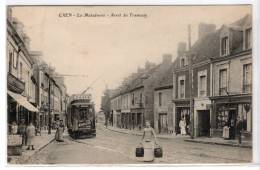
91	85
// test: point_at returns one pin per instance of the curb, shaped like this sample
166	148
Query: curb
25	158
217	143
160	137
186	140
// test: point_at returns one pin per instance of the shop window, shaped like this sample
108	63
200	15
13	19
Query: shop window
248	38
222	118
224	45
222	82
247	78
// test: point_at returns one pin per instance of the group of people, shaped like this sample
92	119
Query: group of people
26	132
229	126
29	132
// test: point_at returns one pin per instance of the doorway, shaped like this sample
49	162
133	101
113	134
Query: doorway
163	128
232	123
204	122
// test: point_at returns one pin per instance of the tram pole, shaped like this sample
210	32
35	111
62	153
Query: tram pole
190	85
49	97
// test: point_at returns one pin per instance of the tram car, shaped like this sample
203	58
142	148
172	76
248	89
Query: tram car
81	116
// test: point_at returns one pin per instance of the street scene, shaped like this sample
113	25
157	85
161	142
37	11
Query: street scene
129	85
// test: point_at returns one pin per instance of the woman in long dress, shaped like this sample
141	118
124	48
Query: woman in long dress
182	126
30	133
148	140
59	132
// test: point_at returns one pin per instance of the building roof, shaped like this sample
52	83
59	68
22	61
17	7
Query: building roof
166	79
242	21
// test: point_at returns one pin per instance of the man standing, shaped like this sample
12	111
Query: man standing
239	130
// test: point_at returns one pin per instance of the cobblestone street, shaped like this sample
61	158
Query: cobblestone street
110	147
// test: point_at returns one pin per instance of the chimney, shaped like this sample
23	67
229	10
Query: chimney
26	41
181	49
167	60
205	29
18	26
140	70
147	65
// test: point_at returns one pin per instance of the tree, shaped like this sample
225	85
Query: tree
106	105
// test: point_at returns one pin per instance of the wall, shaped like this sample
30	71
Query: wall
166	107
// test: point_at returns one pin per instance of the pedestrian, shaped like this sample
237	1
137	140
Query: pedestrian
22	131
30	133
182	126
37	129
226	127
14	128
59	132
239	130
147	141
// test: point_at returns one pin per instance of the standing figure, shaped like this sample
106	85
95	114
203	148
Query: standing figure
22	131
239	130
59	132
30	133
226	130
182	126
14	128
148	140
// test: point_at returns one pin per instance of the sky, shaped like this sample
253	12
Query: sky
107	49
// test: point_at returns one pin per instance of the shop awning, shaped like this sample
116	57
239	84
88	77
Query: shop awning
22	101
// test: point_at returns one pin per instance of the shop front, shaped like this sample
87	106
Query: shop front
137	118
227	110
181	110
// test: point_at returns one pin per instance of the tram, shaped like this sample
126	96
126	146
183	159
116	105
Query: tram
81	116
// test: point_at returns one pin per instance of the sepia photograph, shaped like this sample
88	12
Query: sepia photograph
98	85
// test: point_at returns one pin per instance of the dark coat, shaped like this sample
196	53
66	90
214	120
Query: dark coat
239	126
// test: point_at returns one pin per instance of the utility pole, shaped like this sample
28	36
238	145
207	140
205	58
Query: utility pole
49	97
190	84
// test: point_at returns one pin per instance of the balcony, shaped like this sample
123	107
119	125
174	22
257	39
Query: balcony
14	84
247	88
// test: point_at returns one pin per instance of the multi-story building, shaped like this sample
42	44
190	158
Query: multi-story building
163	108
232	78
20	80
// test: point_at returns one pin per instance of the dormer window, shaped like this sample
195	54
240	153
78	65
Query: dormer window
182	62
248	38
224	45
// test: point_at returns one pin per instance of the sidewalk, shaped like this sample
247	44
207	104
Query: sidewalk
40	143
205	140
140	133
220	141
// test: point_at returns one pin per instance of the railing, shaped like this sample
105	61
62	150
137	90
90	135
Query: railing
247	88
15	84
222	90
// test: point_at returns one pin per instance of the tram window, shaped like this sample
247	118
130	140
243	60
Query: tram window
83	113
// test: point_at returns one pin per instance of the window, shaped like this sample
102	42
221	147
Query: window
141	100
248	38
222	82
10	61
202	87
133	99
15	59
160	99
224	45
182	89
28	83
21	71
222	118
182	62
247	78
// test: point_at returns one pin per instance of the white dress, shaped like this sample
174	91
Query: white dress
182	125
148	144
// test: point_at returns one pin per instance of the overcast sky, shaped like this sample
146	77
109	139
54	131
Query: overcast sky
114	47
